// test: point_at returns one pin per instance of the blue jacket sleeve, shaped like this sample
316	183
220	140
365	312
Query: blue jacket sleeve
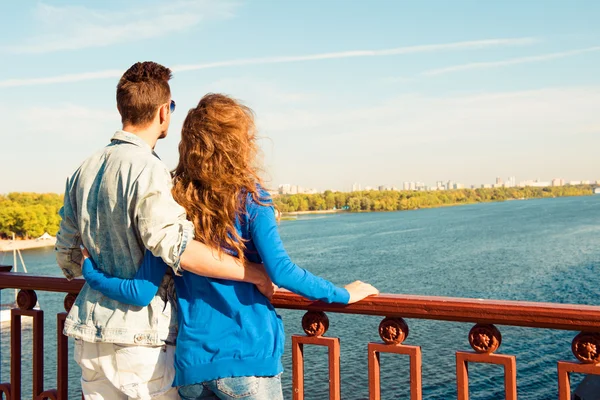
138	291
282	271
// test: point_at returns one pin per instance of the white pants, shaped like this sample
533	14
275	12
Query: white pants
126	372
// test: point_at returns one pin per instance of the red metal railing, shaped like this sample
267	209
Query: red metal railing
484	337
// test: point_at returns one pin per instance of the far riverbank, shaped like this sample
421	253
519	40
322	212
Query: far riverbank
365	201
10	245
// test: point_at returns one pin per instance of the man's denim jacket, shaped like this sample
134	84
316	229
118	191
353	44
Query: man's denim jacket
117	204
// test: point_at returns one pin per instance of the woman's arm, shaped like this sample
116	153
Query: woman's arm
286	274
138	291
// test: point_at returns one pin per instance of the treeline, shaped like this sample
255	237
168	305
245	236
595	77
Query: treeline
412	200
29	215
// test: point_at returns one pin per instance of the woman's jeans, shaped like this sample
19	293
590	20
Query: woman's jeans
243	387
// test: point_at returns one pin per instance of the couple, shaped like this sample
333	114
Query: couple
188	259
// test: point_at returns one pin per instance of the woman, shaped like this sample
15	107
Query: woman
230	338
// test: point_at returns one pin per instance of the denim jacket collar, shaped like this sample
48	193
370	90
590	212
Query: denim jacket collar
132	138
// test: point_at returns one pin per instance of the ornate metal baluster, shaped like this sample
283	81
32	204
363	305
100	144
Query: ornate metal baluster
393	331
26	301
586	348
62	355
485	339
315	324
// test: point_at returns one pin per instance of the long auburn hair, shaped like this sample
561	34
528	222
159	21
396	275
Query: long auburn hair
217	170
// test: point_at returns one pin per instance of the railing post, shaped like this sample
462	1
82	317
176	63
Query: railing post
26	301
393	331
586	348
315	324
485	339
62	355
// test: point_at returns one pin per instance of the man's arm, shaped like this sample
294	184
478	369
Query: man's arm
165	231
68	239
138	291
200	259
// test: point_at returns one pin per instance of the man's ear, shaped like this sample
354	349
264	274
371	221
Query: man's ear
162	113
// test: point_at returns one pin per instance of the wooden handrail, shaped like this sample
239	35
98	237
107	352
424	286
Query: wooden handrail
502	312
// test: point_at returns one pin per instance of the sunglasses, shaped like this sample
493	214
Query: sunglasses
172	106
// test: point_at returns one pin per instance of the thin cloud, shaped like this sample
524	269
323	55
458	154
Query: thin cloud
79	27
510	62
468	45
85	76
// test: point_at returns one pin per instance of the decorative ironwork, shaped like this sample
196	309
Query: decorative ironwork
485	338
26	299
393	330
48	395
509	364
333	350
69	301
315	323
5	390
414	355
586	347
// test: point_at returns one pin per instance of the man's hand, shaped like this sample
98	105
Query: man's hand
261	279
359	290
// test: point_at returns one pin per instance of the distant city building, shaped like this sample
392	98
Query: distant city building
381	188
535	183
558	182
486	186
356	187
420	186
459	186
406	186
575	183
449	185
285	188
585	182
499	181
511	182
413	186
368	188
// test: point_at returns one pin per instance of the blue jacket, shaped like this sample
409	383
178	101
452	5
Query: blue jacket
226	328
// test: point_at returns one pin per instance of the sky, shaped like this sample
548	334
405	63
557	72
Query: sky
373	92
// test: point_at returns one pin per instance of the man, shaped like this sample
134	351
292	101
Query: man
117	205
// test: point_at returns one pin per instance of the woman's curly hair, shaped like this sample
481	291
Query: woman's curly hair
217	170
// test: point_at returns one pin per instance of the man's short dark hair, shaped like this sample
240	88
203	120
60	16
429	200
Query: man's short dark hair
141	90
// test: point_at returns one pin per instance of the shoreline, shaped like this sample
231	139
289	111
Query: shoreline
288	214
292	214
10	245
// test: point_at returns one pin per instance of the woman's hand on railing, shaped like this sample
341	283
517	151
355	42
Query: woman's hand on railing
359	290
